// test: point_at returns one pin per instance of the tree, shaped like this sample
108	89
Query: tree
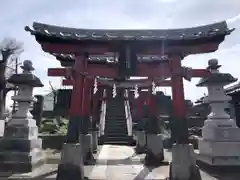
9	48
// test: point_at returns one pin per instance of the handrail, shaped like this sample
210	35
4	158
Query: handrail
128	114
103	115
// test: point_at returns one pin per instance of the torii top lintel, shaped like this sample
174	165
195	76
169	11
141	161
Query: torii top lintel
201	39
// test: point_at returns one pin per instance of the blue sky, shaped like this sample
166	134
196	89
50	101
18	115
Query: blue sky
16	14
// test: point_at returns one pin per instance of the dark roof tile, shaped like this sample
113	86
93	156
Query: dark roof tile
109	34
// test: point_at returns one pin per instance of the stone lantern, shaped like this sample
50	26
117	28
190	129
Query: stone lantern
20	147
220	143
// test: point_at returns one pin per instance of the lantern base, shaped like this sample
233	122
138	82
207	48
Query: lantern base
21	149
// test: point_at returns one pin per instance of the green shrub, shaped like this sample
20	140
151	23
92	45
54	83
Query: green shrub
50	126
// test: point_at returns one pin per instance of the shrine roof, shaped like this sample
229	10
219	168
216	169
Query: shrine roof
233	89
65	33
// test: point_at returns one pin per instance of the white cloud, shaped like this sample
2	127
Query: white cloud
122	14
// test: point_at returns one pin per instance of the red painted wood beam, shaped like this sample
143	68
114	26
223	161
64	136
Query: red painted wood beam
200	72
166	83
86	99
74	49
184	49
77	92
104	48
149	70
92	70
178	90
153	70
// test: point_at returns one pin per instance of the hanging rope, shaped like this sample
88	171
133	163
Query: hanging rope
154	92
95	89
136	94
114	91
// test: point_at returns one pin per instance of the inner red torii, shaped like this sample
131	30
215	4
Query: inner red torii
125	46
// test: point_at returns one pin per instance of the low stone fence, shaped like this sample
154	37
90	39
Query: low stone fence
52	141
195	121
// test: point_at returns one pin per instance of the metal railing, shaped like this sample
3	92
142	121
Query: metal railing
128	114
103	115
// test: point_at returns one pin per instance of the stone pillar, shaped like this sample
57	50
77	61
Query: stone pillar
140	126
71	166
140	141
220	143
94	132
154	144
20	147
85	133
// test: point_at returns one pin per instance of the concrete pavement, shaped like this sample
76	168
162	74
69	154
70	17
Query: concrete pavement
121	163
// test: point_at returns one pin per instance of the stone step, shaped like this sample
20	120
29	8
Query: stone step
116	131
118	123
115	127
115	108
117	142
124	138
115	135
114	120
115	105
116	116
112	127
115	113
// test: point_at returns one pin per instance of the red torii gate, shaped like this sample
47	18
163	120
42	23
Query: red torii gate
175	44
172	45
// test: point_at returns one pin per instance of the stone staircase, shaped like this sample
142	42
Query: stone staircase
115	124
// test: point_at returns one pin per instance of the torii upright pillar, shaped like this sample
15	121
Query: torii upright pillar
71	165
183	166
85	136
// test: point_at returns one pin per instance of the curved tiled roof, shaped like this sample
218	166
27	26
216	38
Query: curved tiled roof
232	89
65	33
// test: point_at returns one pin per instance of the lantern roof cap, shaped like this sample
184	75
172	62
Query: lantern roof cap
26	78
218	78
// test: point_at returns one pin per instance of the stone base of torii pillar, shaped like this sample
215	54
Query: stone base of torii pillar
220	143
